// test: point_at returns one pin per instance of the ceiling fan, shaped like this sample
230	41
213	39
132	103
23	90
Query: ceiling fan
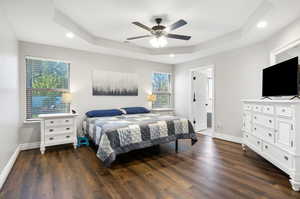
159	33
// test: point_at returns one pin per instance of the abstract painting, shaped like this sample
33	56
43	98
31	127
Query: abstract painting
114	83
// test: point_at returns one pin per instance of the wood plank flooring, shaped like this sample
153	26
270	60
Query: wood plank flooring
210	169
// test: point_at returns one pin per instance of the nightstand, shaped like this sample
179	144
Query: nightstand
163	111
58	129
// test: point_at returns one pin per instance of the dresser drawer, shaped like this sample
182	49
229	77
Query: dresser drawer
266	121
268	109
278	155
264	133
248	107
59	129
253	141
50	139
257	108
284	111
55	122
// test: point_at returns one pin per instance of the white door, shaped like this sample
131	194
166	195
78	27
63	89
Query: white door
199	100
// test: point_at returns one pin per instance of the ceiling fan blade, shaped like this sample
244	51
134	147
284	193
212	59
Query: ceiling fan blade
177	24
175	36
138	37
142	26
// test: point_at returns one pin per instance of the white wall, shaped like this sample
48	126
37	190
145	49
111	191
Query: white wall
82	64
9	90
287	35
237	76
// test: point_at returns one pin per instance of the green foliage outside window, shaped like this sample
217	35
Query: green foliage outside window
46	81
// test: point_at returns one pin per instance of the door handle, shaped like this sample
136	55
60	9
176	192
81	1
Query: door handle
206	104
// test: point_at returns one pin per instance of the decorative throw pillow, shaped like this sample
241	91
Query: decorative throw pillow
135	110
104	113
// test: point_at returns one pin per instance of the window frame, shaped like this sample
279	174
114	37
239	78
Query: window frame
32	120
170	92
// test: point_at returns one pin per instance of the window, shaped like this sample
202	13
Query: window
161	87
46	81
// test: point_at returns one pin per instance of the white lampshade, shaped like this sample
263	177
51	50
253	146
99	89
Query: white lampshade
66	98
151	98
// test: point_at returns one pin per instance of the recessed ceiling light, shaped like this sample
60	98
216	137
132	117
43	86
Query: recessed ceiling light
70	35
172	55
262	24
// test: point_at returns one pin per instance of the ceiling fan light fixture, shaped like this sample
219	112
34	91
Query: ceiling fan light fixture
158	42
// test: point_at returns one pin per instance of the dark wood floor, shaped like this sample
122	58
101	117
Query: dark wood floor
210	169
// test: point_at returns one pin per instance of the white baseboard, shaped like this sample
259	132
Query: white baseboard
229	138
6	170
27	146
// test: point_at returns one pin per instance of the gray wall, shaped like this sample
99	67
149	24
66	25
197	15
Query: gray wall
237	76
82	64
9	90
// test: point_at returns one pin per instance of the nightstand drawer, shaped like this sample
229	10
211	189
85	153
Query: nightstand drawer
58	138
54	129
55	122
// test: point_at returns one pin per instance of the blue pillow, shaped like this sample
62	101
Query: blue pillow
104	113
136	110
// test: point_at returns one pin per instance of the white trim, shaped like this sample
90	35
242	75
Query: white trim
205	133
6	170
28	146
203	67
229	138
47	59
281	49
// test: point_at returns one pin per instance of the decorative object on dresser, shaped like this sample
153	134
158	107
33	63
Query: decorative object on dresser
272	129
58	129
111	83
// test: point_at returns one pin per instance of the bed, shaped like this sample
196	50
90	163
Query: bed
123	133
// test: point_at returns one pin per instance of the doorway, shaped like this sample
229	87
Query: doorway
201	111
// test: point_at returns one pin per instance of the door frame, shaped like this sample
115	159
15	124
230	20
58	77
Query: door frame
190	96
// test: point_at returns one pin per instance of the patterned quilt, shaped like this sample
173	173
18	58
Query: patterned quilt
121	134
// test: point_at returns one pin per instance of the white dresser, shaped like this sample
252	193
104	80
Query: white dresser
58	129
272	129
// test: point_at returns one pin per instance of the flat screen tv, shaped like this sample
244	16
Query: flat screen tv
281	79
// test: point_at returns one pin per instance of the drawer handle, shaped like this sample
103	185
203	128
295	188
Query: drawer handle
254	117
270	121
67	129
51	138
270	134
51	122
286	158
51	130
254	129
67	121
283	110
266	147
67	136
268	109
258	142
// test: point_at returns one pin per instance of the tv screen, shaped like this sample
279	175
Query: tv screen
281	79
